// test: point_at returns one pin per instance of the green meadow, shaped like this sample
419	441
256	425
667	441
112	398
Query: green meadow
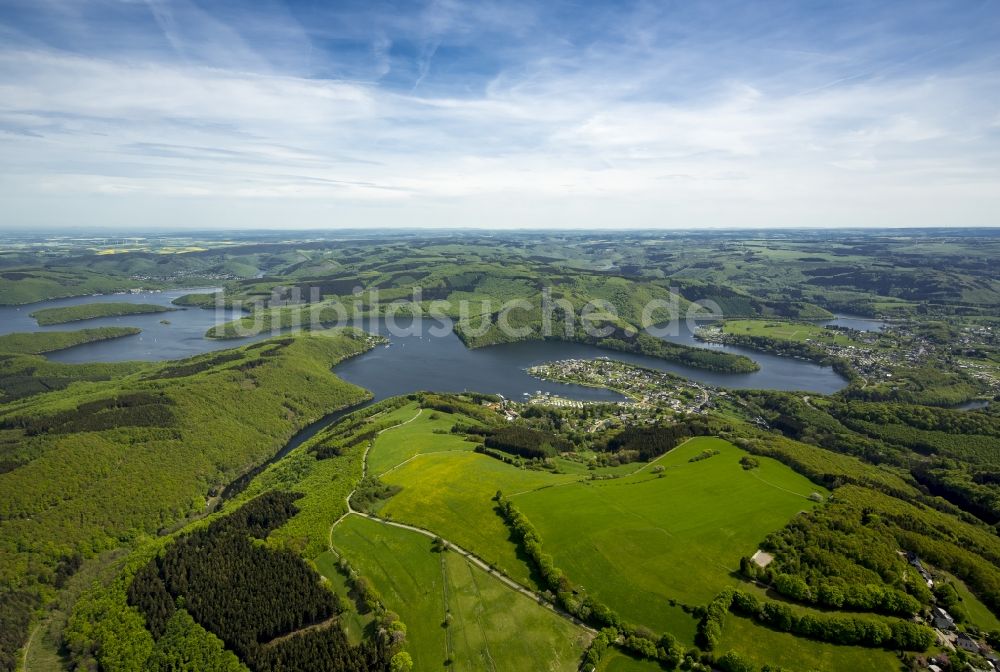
638	542
451	494
765	646
428	432
787	331
979	614
490	627
616	661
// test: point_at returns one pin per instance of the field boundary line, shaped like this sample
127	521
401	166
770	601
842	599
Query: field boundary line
660	457
584	479
479	618
481	564
777	487
413	457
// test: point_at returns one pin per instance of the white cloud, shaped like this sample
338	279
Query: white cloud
592	137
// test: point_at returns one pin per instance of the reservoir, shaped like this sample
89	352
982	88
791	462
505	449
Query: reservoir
414	361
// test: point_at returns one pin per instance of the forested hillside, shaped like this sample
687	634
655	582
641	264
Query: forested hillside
104	463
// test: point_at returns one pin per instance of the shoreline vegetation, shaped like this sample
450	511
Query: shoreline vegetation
89	311
40	342
622	337
205	301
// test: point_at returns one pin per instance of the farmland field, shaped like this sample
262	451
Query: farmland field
492	627
786	331
765	646
619	662
640	541
395	446
451	494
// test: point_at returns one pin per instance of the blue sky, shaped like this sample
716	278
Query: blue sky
185	114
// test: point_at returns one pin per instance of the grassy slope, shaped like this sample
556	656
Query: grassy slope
979	613
32	285
638	541
794	653
394	446
616	661
493	627
452	494
89	311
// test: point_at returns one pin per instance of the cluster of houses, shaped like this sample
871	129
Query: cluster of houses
648	389
949	635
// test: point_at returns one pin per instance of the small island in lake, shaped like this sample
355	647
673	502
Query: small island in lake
88	311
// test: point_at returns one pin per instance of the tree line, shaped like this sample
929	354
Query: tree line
254	598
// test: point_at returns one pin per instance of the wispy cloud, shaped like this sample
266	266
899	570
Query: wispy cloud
497	114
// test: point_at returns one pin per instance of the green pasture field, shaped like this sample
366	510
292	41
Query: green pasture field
640	541
979	613
395	446
451	494
765	646
616	661
492	627
787	331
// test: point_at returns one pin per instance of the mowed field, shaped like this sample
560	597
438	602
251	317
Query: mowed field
491	627
787	331
616	661
451	494
764	646
416	437
637	542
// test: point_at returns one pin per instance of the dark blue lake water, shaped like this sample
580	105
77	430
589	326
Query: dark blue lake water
415	361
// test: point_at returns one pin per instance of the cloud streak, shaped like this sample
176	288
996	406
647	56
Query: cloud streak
522	118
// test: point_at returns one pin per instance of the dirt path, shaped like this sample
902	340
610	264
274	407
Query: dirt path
478	562
754	473
413	457
364	473
322	625
27	645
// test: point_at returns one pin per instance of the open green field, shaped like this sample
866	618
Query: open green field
979	613
616	661
491	627
637	542
416	437
787	331
89	311
451	494
764	646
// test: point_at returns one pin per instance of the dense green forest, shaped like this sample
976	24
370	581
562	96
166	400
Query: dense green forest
32	343
266	605
77	461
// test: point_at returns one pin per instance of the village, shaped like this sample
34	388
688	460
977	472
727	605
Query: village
649	392
880	356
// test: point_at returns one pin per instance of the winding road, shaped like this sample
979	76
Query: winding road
468	555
